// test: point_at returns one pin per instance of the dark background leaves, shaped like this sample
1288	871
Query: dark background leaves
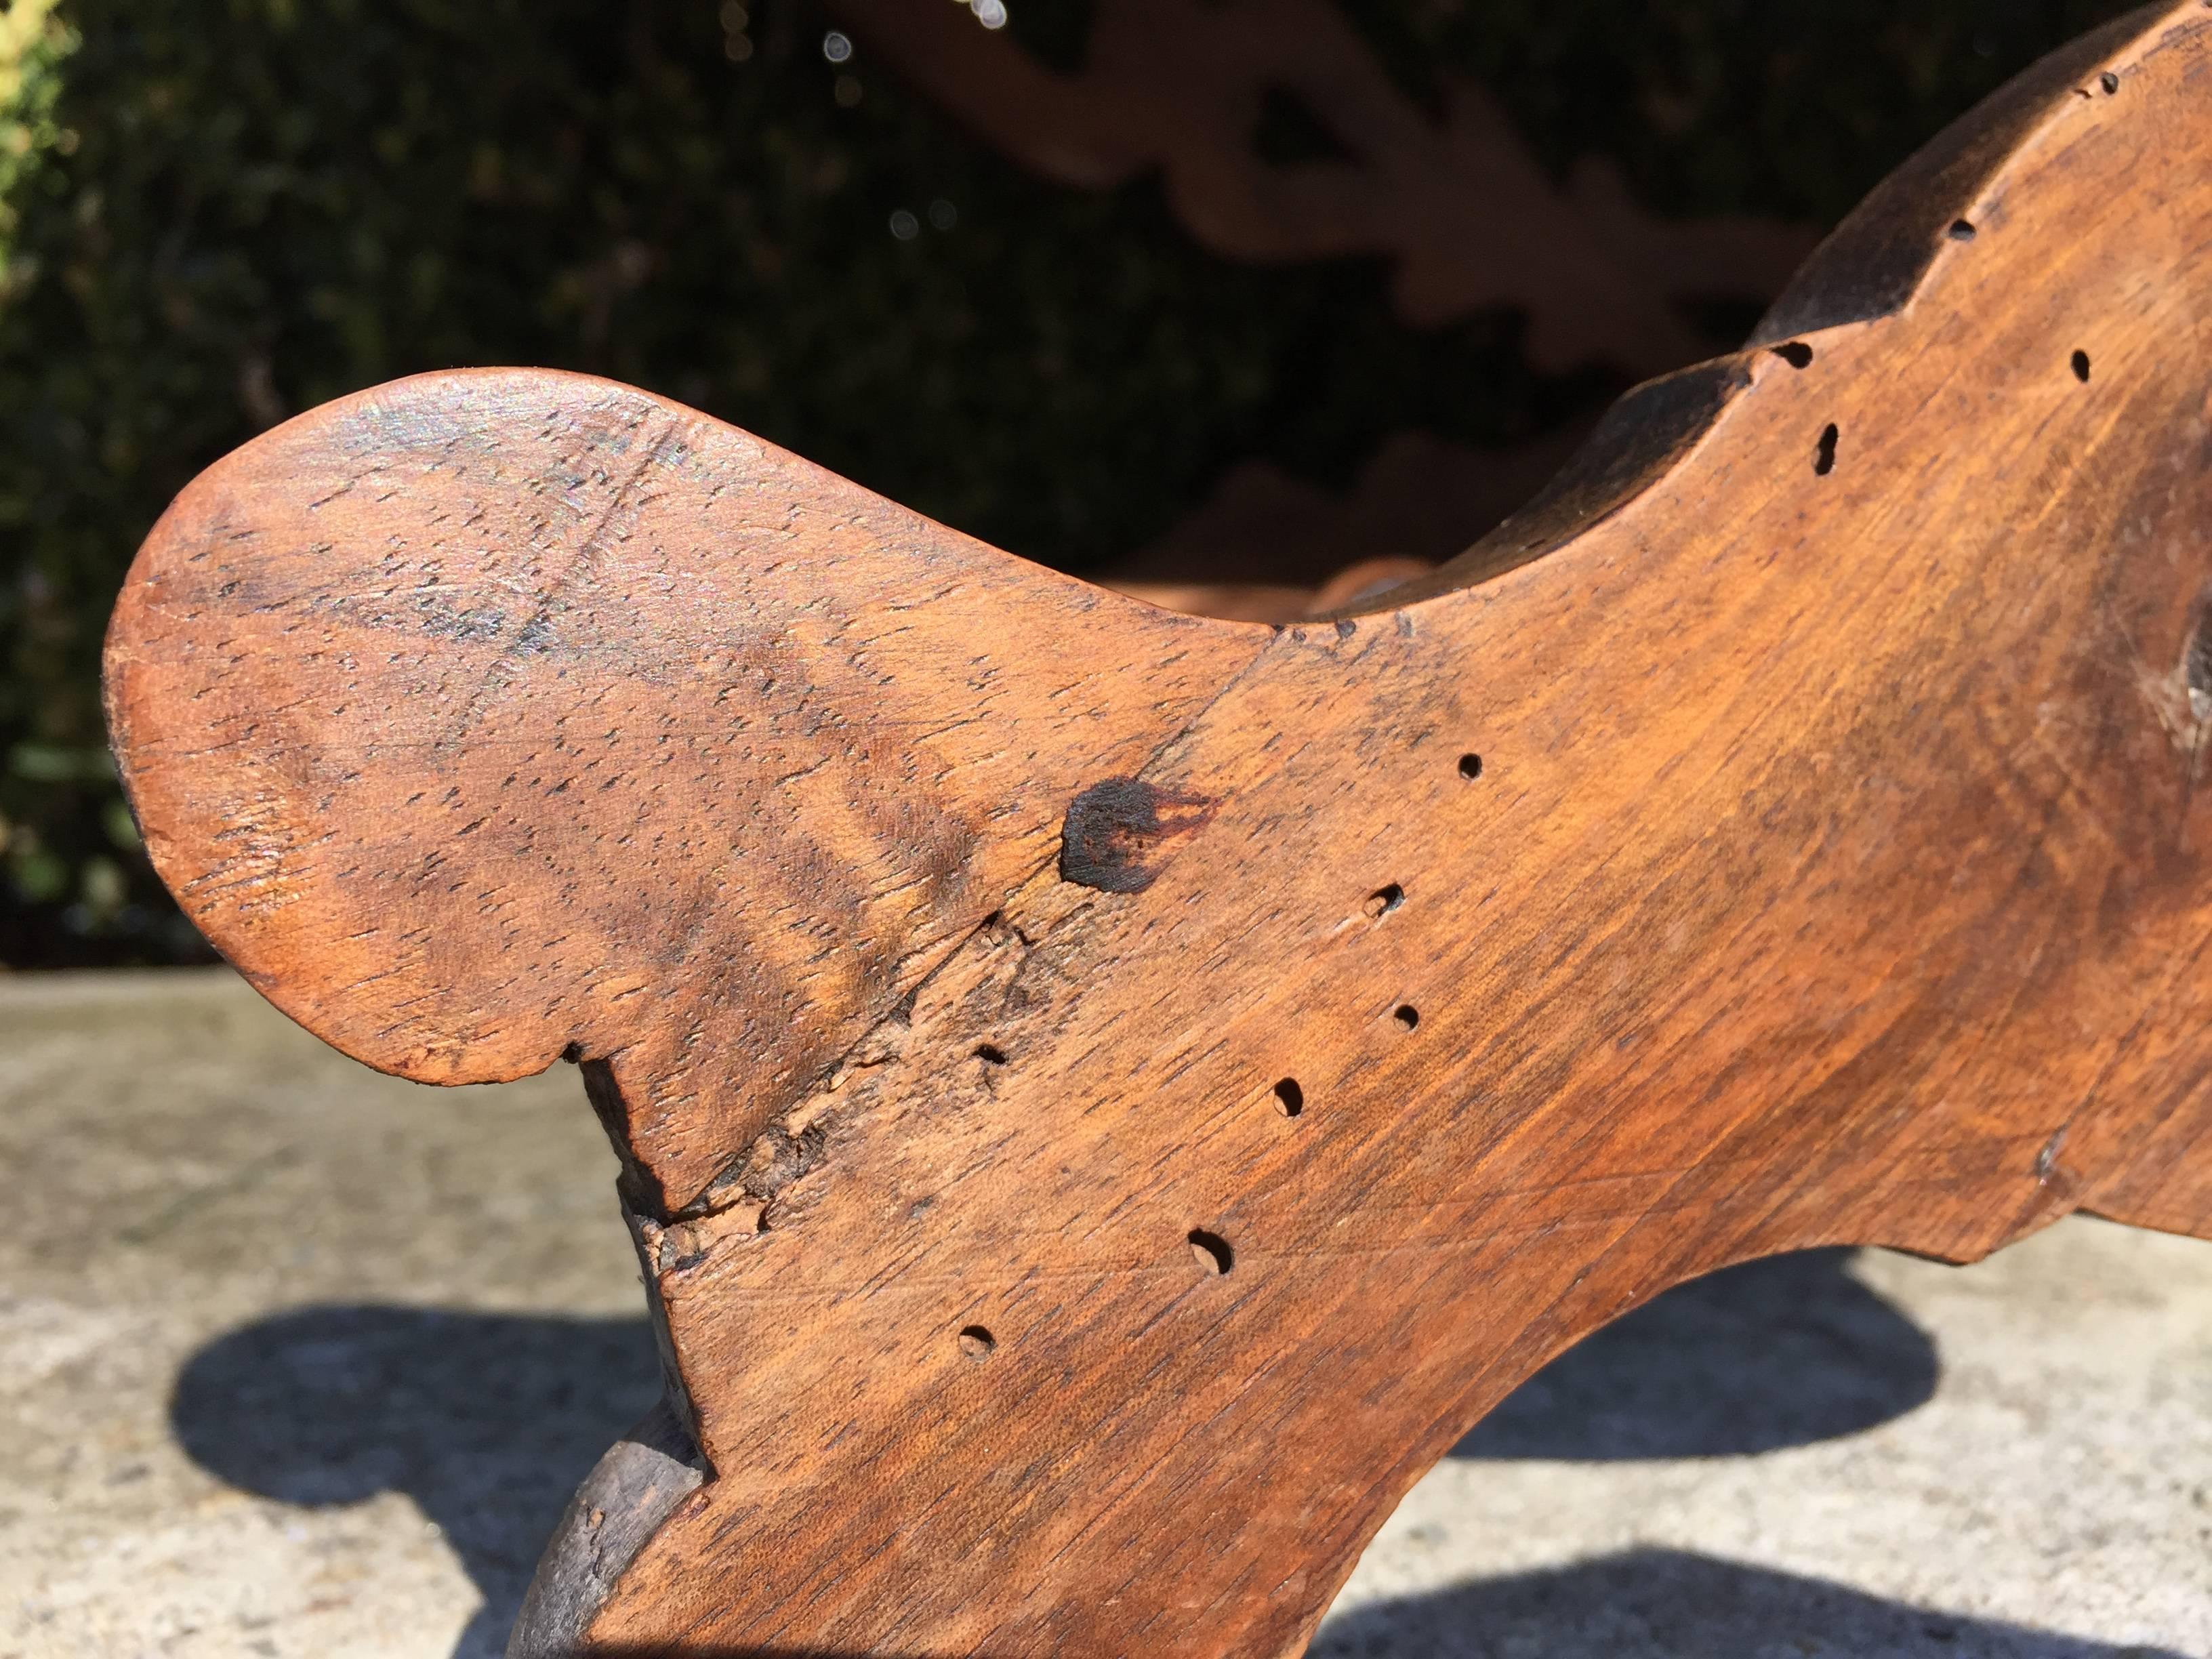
213	213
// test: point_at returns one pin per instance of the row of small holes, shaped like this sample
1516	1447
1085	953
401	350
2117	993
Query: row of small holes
1210	1250
1290	1098
1213	1252
1824	451
1962	231
977	1340
1799	354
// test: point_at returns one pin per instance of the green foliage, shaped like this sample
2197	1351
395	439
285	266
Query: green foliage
215	212
1713	105
33	44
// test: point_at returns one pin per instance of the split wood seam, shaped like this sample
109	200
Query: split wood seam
1107	1097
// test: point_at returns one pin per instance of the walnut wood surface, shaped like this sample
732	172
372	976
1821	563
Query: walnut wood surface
1783	834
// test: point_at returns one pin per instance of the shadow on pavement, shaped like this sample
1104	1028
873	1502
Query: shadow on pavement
1778	1352
1643	1602
1669	1601
488	1422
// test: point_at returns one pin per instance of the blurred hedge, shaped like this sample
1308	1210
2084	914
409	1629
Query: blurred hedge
215	212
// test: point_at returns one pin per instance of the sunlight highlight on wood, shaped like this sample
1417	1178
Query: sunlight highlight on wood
1108	1098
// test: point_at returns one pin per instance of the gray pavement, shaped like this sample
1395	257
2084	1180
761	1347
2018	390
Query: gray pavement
295	1360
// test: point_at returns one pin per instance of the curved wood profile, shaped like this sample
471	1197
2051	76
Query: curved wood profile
1109	1098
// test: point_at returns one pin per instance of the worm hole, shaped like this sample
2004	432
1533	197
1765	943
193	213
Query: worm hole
2080	361
2110	82
1470	767
1824	453
1796	353
1211	1251
1290	1099
1383	900
1960	231
976	1342
2196	664
1406	1015
990	1054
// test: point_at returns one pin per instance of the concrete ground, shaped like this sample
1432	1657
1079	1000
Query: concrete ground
299	1360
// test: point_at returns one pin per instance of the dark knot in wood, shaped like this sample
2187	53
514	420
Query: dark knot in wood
1113	829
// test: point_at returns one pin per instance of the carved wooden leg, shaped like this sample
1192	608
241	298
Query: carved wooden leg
1107	1097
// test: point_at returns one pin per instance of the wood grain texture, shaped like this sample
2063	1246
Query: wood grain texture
540	713
1785	834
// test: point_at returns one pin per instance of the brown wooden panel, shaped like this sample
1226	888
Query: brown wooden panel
1786	834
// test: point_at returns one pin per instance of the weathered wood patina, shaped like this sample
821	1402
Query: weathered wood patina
1107	1097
